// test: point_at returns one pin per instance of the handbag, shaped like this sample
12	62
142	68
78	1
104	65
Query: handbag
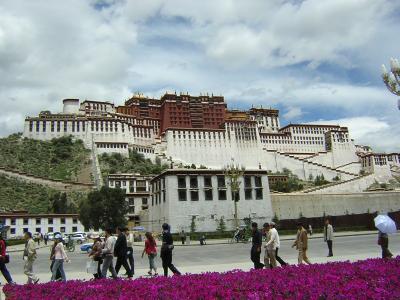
91	267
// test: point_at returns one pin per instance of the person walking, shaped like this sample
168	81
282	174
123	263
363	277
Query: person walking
59	257
120	252
4	260
52	251
150	248
46	238
107	252
96	254
129	242
255	251
301	244
166	251
310	229
328	236
270	247
31	255
277	243
383	241
182	236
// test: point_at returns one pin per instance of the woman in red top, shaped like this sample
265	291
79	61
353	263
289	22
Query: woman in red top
3	267
150	248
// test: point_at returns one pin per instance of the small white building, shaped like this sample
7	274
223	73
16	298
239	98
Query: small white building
21	221
137	191
182	196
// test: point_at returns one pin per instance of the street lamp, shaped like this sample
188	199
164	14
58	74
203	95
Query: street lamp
234	172
392	78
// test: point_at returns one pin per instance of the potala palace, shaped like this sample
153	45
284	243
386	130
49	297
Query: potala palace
183	130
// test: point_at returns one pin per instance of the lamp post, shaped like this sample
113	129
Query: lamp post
234	172
392	78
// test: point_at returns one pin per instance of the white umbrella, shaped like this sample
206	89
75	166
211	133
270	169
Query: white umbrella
385	224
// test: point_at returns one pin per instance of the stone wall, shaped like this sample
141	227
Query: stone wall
293	206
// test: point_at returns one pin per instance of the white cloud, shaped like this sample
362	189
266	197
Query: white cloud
292	113
270	53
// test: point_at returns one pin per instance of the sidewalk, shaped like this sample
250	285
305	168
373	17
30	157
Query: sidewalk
21	247
282	238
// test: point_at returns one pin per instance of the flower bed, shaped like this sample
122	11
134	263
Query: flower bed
368	279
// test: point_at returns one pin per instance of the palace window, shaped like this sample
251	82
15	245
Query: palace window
222	194
37	126
44	126
65	126
52	126
182	195
221	181
194	195
30	126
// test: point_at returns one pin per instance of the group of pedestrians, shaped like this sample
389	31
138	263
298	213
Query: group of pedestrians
272	244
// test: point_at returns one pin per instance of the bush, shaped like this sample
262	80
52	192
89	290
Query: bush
367	279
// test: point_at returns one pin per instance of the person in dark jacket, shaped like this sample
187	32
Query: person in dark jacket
166	251
383	241
256	246
120	252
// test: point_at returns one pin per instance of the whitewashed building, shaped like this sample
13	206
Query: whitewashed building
204	196
20	222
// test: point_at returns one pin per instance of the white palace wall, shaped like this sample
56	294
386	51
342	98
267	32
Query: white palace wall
291	206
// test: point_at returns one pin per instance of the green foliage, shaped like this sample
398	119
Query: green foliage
291	185
134	163
193	225
17	194
336	178
221	225
320	180
103	209
60	158
61	205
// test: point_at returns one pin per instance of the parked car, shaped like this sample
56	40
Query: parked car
87	247
79	238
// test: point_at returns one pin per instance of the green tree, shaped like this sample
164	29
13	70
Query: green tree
103	209
221	226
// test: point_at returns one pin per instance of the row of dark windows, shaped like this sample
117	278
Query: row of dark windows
38	221
193	181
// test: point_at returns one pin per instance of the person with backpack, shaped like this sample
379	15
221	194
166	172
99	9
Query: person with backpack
4	259
150	248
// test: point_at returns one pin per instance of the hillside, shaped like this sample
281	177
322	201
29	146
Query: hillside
61	158
16	194
135	163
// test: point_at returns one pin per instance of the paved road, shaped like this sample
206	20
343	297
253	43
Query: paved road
215	257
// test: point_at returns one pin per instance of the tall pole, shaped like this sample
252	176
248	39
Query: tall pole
234	172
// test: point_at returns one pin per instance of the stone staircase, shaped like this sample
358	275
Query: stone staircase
316	164
337	185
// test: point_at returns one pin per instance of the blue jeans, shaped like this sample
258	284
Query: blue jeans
58	264
5	272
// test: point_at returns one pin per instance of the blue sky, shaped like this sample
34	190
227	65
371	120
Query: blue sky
316	61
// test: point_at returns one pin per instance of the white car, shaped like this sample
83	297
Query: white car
79	238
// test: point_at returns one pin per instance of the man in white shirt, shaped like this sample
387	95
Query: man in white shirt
270	246
278	244
108	253
31	255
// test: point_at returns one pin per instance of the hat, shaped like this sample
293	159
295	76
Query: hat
95	236
58	236
272	224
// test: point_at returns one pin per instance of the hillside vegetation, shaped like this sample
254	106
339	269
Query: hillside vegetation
134	163
17	194
61	158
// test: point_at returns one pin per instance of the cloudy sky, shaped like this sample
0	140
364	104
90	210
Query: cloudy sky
317	61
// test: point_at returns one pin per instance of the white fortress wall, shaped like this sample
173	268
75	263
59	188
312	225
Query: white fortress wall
290	206
356	185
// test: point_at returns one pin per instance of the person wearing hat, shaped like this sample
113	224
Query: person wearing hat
59	257
301	244
166	251
30	254
96	255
